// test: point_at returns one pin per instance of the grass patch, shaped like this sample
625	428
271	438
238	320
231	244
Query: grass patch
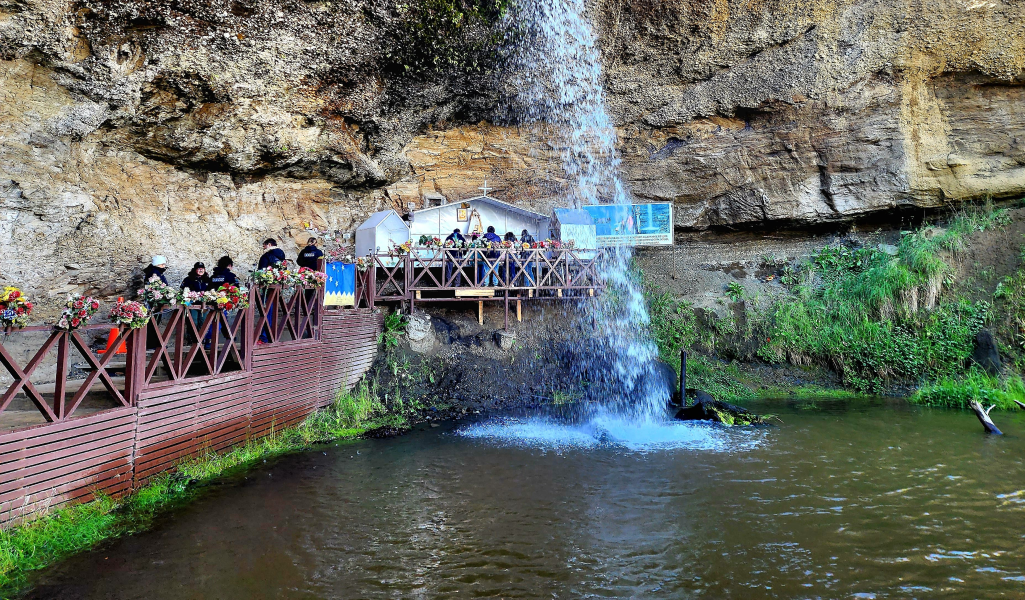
958	392
67	531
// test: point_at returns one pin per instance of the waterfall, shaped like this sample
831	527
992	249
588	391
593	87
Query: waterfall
556	70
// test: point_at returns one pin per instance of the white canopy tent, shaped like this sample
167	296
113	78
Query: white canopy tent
380	232
482	211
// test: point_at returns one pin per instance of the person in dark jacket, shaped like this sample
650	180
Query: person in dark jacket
491	277
197	280
530	269
511	238
156	269
309	256
454	255
222	274
272	255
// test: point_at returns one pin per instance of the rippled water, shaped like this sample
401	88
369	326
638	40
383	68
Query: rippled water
842	500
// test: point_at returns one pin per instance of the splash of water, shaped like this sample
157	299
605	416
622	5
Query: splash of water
557	74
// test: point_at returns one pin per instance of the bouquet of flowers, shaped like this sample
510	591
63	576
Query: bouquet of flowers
275	275
507	244
403	248
157	293
227	297
340	254
130	313
14	308
311	278
188	297
428	241
77	312
362	263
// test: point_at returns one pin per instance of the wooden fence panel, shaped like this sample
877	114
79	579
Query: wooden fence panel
119	449
50	465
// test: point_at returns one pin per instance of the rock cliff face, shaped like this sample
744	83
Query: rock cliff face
195	128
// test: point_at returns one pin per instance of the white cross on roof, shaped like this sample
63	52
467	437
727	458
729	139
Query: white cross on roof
485	188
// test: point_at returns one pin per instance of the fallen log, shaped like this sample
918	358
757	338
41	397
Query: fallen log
707	408
983	416
1020	404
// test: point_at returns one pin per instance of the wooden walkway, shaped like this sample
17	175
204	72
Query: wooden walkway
178	397
481	275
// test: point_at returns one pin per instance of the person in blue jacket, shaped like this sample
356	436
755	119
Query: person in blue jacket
272	255
222	274
457	239
310	255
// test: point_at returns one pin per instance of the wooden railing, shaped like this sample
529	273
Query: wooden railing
178	345
58	407
400	276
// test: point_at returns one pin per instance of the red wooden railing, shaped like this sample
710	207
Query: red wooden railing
177	345
58	407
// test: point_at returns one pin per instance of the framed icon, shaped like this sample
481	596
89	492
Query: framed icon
462	215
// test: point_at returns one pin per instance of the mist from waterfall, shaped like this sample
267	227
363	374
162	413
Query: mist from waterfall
556	70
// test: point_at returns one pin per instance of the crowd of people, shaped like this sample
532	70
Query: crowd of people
489	275
200	280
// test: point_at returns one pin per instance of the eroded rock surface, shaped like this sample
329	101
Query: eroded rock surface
193	129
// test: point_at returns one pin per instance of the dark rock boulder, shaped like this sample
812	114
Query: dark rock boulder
706	408
985	353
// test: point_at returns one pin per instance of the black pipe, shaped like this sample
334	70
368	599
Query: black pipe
683	378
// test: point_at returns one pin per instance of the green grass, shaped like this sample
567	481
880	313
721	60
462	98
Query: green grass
66	531
876	318
954	392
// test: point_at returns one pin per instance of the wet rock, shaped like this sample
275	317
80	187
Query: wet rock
506	340
986	354
707	408
446	332
420	332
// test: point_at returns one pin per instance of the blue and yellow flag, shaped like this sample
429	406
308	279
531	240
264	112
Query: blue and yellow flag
341	285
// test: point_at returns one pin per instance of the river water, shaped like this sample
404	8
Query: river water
844	499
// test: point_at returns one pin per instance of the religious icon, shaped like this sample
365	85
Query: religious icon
461	215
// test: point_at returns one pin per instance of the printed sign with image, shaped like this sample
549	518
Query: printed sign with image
632	224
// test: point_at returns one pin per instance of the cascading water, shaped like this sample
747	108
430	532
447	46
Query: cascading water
556	71
557	74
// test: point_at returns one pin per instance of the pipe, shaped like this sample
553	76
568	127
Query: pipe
683	378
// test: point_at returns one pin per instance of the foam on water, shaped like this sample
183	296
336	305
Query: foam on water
610	430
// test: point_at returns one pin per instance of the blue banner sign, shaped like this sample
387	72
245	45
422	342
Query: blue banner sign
633	224
340	289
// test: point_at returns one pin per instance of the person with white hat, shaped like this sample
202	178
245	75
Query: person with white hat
155	270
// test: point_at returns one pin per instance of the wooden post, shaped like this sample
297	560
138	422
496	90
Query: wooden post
683	378
530	293
480	312
418	297
590	292
519	316
60	385
506	325
558	292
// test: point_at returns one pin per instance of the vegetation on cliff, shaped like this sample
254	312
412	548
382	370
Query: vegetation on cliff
879	317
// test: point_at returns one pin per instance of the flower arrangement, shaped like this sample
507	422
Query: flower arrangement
77	312
14	308
362	263
188	297
157	293
275	275
310	278
228	297
428	241
340	254
402	248
507	244
130	313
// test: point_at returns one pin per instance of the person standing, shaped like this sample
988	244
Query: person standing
155	270
222	274
197	280
272	255
309	256
488	276
530	269
454	256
